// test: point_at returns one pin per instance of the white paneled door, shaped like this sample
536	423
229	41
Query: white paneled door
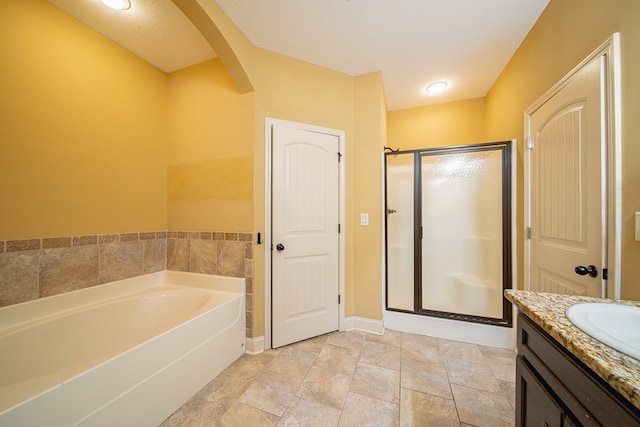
305	239
568	221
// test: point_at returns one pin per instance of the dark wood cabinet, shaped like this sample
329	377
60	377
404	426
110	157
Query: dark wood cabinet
555	389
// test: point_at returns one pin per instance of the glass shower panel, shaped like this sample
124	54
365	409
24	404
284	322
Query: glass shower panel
400	177
462	267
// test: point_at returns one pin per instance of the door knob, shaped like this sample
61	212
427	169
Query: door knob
591	270
280	247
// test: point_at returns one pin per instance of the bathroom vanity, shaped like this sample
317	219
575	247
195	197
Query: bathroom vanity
565	377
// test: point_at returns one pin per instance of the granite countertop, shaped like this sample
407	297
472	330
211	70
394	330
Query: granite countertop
547	310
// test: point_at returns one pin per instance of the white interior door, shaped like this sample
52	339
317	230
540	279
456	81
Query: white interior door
567	194
305	239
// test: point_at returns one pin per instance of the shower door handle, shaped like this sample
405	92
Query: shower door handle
591	270
280	247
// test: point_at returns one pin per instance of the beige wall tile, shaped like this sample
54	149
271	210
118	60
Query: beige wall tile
68	269
120	261
154	255
18	277
85	240
23	245
56	242
177	254
231	258
129	237
203	256
109	238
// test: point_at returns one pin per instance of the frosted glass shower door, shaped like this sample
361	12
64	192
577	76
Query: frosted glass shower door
462	233
400	177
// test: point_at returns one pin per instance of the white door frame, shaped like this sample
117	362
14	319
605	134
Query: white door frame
611	160
269	122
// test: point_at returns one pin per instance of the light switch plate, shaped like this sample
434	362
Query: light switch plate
637	226
364	219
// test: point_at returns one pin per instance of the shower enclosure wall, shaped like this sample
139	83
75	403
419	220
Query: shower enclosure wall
448	232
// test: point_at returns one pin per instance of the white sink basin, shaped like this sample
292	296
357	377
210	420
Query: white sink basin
615	325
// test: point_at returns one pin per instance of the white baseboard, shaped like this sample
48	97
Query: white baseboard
474	333
363	324
254	345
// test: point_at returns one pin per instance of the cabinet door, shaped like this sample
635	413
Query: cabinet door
537	408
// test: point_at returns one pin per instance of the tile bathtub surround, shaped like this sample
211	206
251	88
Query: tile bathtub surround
214	252
549	312
35	268
360	379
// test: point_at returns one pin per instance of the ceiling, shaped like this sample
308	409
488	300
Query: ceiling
466	43
155	30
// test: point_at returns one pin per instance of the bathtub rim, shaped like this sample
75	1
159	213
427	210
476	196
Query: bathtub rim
24	312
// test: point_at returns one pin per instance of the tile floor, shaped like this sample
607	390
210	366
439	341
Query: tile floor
360	379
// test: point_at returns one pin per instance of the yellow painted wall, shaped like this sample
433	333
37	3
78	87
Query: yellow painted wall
450	123
297	91
370	139
566	33
210	137
82	129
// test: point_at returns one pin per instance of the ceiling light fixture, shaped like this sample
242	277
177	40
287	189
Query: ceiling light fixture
118	4
436	87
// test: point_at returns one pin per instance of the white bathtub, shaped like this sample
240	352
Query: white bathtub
125	353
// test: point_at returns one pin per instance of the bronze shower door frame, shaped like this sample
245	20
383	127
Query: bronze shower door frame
505	148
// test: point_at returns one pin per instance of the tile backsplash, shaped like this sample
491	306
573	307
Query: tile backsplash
36	268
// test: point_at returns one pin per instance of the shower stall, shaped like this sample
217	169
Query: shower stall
448	232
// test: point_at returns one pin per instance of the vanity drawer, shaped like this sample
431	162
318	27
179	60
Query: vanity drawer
586	398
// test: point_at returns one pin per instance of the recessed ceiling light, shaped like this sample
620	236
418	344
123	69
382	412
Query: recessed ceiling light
436	87
117	4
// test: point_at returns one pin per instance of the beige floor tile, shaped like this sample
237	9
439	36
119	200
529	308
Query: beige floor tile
314	345
482	408
248	367
337	358
303	412
461	351
377	382
477	375
293	361
272	391
325	380
425	377
509	390
420	409
382	355
390	337
495	351
504	368
240	414
212	401
425	348
352	339
198	416
362	410
326	386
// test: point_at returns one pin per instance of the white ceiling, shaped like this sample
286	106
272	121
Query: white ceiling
155	30
412	42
